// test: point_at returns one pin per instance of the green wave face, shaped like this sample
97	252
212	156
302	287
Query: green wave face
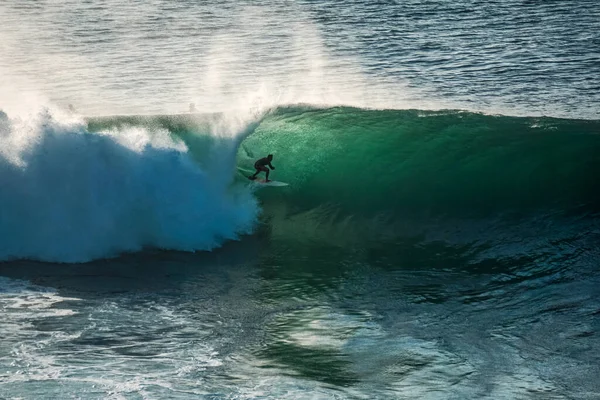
368	162
403	163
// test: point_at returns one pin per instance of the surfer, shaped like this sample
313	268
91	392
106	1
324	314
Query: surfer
260	166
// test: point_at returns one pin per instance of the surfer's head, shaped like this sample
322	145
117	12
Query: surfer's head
270	157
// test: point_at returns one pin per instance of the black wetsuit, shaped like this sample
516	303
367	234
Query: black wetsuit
260	165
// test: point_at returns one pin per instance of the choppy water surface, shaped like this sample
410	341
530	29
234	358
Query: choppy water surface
516	57
331	326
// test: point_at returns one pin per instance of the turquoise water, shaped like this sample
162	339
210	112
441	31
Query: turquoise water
438	239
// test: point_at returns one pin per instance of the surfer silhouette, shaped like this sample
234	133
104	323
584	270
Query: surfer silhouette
261	166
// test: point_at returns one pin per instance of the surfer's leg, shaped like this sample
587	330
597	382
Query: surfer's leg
267	171
258	169
253	177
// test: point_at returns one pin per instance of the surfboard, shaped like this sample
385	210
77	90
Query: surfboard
262	182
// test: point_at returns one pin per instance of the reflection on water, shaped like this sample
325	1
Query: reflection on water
259	318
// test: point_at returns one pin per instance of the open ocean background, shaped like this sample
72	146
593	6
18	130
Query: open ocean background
439	239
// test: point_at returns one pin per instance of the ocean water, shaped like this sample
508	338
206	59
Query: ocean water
439	237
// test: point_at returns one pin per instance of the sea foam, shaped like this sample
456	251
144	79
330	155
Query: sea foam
70	195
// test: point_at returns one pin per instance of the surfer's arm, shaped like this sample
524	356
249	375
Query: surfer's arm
271	166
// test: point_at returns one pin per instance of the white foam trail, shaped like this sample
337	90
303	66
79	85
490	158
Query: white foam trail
72	196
